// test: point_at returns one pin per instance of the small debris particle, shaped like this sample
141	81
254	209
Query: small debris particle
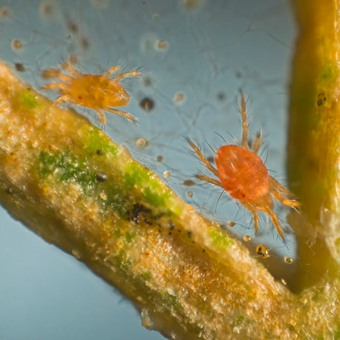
19	67
73	59
84	43
139	212
5	12
321	99
188	183
247	238
103	196
141	142
76	254
179	98
166	174
9	191
101	177
191	6
231	224
47	10
171	225
17	45
288	259
190	194
147	104
161	45
159	158
147	81
73	27
262	251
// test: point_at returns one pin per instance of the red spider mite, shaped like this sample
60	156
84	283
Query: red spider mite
242	173
95	91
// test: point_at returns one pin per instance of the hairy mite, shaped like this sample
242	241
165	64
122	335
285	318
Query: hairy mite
97	92
244	176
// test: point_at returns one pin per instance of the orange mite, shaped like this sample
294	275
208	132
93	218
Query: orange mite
97	92
244	176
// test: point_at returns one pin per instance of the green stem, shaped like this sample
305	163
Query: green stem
314	138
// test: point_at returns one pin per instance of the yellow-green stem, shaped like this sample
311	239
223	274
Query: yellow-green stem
314	137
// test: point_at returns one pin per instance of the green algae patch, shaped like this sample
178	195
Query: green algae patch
328	73
173	300
135	175
99	143
154	193
220	239
240	319
28	99
117	200
153	196
66	167
337	333
129	237
121	261
145	276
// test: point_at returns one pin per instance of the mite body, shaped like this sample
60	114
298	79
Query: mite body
97	92
244	176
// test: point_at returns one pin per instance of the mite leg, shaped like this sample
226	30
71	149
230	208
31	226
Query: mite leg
276	185
102	116
254	212
278	190
126	115
111	70
55	86
274	219
62	99
257	142
285	201
245	143
127	74
209	180
52	73
202	158
67	66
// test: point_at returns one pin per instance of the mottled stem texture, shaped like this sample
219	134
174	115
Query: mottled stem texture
67	181
314	139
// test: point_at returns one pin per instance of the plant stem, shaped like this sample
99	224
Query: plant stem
314	137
